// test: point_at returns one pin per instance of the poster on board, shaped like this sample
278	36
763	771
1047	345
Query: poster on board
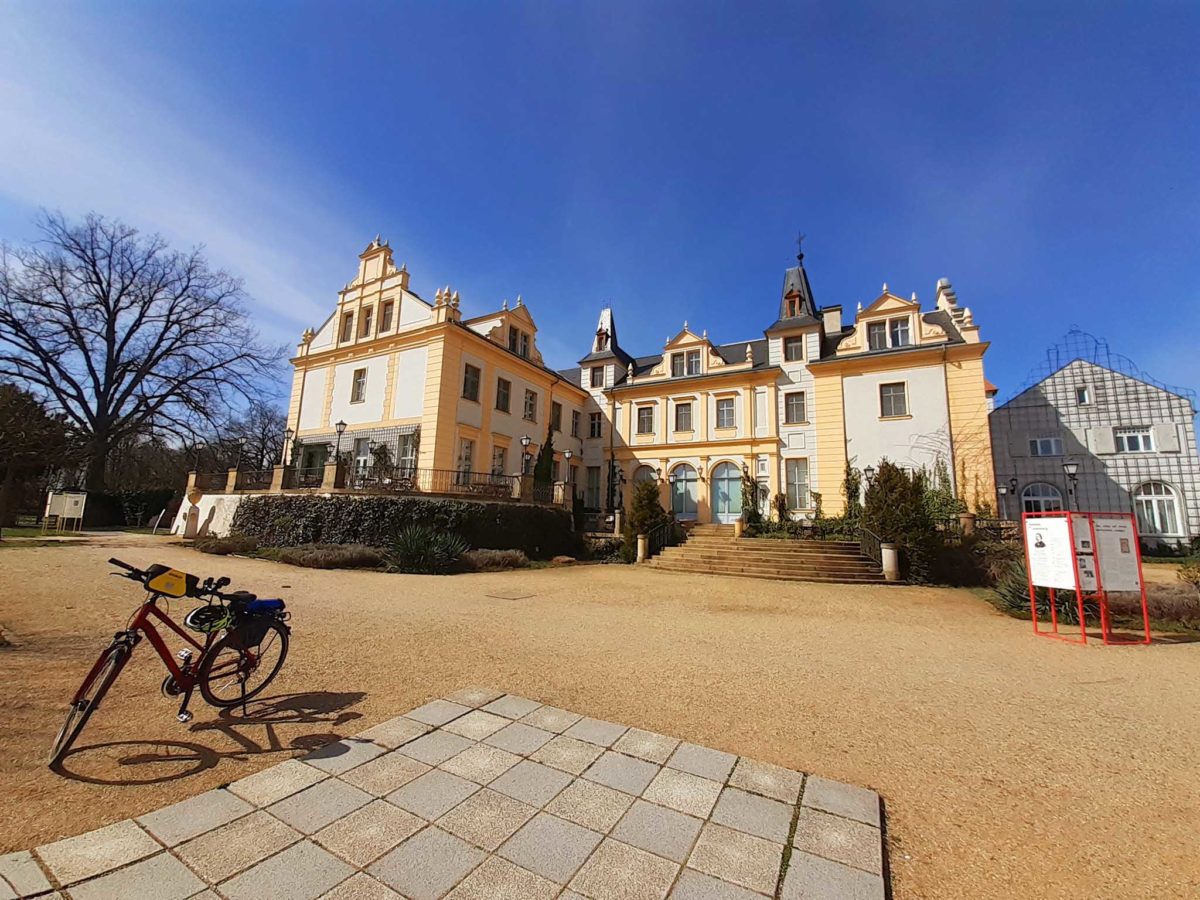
1051	557
1117	548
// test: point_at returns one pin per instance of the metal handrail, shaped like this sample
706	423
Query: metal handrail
259	480
869	542
668	534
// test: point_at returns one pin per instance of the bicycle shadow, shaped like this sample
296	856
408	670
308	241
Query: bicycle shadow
259	729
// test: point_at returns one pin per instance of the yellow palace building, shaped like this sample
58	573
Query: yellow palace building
432	390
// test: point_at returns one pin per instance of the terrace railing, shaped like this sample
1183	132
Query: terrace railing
212	481
254	479
406	480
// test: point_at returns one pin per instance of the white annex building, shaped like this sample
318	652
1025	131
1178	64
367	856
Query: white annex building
1097	434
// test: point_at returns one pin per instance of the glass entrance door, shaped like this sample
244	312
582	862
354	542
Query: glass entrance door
683	492
727	493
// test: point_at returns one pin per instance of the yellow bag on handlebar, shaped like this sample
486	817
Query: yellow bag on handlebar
171	582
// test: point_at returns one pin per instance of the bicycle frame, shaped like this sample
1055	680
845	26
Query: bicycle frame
141	622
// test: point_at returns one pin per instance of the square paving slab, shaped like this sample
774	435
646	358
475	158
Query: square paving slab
574	807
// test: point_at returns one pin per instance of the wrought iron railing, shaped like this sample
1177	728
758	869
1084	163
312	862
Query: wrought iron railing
212	481
305	477
668	534
869	542
406	480
254	480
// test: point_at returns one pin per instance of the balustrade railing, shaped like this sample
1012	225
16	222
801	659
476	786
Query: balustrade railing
406	480
254	480
212	481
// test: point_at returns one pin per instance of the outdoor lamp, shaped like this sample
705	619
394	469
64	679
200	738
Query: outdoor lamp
340	427
1003	489
288	434
1012	485
658	474
671	478
869	474
526	440
1071	470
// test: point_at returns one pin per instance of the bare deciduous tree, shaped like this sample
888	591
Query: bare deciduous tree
124	335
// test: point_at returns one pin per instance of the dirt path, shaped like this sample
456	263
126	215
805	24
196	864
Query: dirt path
1010	766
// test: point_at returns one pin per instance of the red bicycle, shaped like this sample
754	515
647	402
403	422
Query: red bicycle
245	643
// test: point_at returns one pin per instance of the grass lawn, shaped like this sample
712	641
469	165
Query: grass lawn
1010	765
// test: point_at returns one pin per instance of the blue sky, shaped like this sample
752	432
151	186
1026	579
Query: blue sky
658	157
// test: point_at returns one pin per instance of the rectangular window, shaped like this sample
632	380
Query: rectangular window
555	416
677	365
1051	446
364	325
347	327
725	413
466	454
899	332
594	425
471	382
408	452
524	351
530	406
499	460
796	476
592	492
793	349
893	400
597	376
514	339
645	420
1135	440
1083	396
362	453
575	417
358	386
794	408
683	417
693	362
503	394
877	335
385	315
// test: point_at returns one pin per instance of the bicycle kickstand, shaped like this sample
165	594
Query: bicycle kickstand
244	713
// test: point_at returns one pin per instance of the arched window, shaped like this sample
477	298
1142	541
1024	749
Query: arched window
683	491
1041	497
643	473
1157	509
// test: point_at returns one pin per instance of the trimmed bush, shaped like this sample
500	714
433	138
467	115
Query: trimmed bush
494	560
419	550
541	532
223	546
326	556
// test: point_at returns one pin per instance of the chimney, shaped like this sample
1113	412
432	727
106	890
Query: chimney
831	318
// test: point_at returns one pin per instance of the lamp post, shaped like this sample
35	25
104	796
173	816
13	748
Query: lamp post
1071	470
340	428
1002	490
526	440
241	448
570	479
869	474
288	435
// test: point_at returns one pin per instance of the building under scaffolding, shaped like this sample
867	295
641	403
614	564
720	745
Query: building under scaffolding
1091	431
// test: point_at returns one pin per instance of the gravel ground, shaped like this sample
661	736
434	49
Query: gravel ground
1010	766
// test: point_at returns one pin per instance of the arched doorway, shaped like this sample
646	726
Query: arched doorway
726	493
684	492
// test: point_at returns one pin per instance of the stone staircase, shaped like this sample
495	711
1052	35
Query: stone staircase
712	549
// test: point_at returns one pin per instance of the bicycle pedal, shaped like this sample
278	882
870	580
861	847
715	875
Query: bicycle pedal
185	717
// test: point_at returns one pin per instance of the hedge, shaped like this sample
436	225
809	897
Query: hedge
289	521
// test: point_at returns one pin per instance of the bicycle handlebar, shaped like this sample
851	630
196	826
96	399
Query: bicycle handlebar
209	586
134	571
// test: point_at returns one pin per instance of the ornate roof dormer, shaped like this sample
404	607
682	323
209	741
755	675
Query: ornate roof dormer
796	306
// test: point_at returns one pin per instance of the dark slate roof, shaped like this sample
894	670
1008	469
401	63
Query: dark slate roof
605	355
792	322
731	353
571	375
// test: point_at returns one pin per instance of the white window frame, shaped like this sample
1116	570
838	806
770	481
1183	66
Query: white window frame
794	342
1041	496
692	363
506	393
499	460
899	332
575	419
678	365
1157	508
787	411
364	322
903	385
796	487
470	389
466	455
727	404
1083	395
1046	446
683	408
387	315
1141	435
358	386
595	425
597	377
529	411
882	328
645	427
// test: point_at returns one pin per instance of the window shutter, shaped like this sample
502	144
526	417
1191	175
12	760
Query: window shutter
1166	438
1102	440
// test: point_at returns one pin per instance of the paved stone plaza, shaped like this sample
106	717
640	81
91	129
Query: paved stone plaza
485	795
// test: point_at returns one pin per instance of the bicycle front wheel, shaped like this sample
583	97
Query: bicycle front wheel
87	699
232	672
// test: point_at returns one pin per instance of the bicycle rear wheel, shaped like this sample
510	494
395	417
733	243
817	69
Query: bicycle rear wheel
231	673
87	699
